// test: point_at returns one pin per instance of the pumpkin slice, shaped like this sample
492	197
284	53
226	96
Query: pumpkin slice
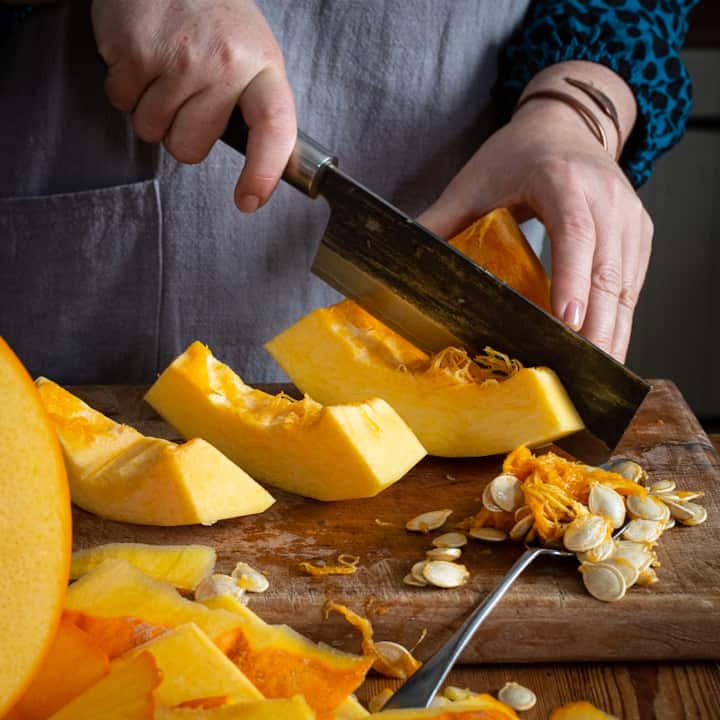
73	664
325	676
183	566
193	667
496	242
126	693
581	710
35	529
456	409
350	709
291	709
146	480
478	707
328	453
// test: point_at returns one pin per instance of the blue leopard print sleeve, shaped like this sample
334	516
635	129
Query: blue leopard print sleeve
638	39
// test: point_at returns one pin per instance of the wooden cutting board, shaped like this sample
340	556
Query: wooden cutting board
546	616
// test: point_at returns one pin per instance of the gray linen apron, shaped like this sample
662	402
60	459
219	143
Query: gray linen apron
114	257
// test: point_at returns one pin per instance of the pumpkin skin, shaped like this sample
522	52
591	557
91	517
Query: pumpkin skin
118	473
339	452
35	529
342	354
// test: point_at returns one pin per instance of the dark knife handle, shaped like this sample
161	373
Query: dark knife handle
307	162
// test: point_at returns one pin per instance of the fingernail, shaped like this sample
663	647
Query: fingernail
248	203
573	315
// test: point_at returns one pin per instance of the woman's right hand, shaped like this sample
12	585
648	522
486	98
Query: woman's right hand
180	66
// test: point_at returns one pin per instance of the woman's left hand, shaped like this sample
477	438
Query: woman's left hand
546	163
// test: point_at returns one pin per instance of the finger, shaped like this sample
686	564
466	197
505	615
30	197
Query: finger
268	108
198	124
570	225
448	215
606	282
636	256
160	102
125	83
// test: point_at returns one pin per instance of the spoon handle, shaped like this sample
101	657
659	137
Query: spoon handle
419	690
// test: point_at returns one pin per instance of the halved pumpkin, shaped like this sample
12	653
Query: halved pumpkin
328	453
35	529
120	474
291	709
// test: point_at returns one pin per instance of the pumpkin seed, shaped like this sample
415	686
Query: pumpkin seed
598	553
489	534
699	514
603	582
636	554
686	495
450	540
629	469
678	510
439	701
629	572
218	585
487	500
410	579
506	492
417	571
647	508
427	521
603	500
585	533
394	659
669	523
522	511
445	574
248	578
662	486
522	527
444	553
517	696
643	531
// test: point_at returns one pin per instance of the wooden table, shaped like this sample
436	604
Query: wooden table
665	689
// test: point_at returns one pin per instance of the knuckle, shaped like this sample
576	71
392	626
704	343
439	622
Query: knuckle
629	295
607	278
147	129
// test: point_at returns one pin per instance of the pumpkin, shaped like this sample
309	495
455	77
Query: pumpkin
456	407
183	566
192	667
125	693
53	685
581	710
328	453
323	675
118	473
35	529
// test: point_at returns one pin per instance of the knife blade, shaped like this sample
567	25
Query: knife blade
435	296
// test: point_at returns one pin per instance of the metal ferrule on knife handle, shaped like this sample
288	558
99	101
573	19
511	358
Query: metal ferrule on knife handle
307	162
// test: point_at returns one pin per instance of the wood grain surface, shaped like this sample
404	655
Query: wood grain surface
546	616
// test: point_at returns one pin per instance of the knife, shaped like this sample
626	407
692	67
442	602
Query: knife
435	296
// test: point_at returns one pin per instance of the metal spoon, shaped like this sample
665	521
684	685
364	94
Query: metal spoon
420	689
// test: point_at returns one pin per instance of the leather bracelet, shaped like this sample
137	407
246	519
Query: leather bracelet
588	116
605	104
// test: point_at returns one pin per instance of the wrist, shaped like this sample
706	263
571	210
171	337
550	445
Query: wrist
611	122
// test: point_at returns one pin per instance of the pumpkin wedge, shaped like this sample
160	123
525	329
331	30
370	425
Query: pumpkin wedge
454	407
118	473
126	693
323	675
479	707
35	529
291	709
328	453
183	566
193	667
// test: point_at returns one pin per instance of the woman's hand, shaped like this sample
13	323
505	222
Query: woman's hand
180	66
546	163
